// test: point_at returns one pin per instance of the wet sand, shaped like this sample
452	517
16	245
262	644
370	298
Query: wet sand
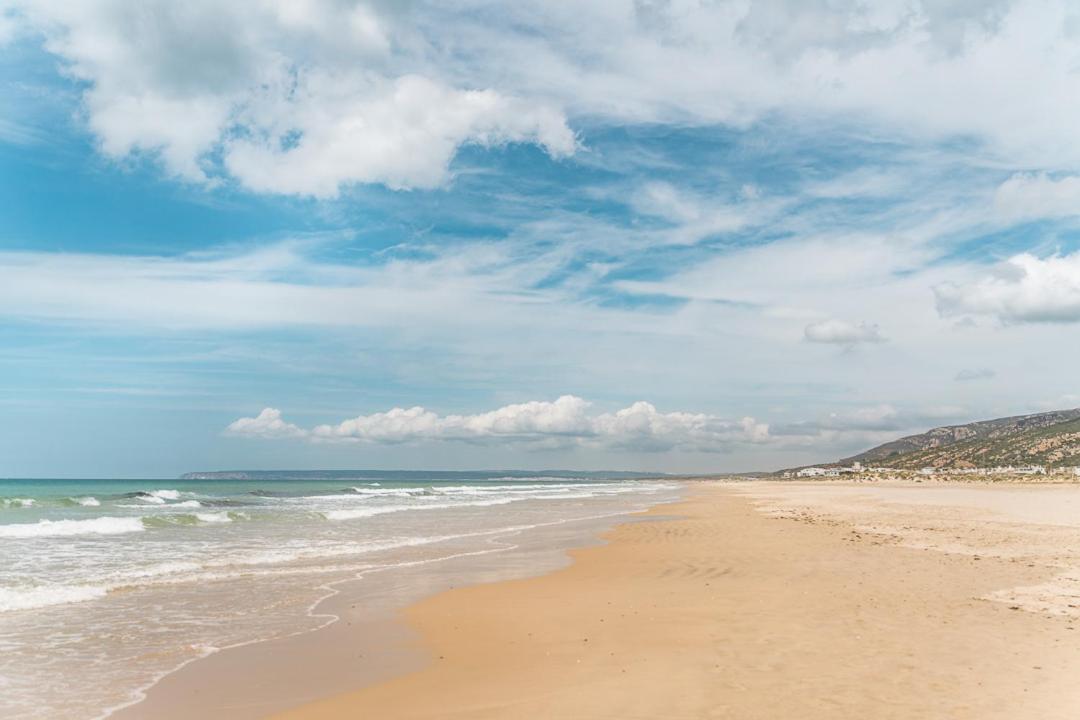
764	600
365	642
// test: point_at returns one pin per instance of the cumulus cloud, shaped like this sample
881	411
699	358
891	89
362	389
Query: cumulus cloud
841	332
642	426
267	424
967	375
1028	196
1023	289
403	135
297	98
565	421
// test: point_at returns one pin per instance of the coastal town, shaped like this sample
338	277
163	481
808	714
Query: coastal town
859	471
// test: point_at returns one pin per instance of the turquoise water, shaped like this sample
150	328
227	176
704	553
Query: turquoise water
106	585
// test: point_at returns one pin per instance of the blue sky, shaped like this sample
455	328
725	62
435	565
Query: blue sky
670	236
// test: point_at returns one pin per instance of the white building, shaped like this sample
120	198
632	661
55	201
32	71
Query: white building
818	472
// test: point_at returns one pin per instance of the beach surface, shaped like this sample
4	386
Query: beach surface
769	600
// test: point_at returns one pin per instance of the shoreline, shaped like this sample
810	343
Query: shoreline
726	611
355	645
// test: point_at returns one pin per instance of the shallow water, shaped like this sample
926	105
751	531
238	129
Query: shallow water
105	586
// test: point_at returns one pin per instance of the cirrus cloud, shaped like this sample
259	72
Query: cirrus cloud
1029	196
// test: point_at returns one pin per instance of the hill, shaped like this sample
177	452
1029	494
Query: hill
1050	439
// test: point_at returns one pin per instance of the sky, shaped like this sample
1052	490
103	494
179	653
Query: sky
685	236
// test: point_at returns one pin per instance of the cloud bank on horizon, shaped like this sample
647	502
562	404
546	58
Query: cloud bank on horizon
820	215
562	422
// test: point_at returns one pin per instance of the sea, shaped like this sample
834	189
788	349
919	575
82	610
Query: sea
107	586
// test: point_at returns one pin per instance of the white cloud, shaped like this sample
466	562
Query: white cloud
841	332
275	286
565	421
308	97
641	426
1024	289
994	71
394	426
783	274
694	218
403	135
267	424
299	98
1026	196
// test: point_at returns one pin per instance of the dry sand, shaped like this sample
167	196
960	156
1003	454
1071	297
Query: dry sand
761	601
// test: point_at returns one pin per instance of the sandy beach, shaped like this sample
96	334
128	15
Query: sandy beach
769	600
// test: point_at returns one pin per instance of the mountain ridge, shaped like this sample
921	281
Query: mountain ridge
1048	438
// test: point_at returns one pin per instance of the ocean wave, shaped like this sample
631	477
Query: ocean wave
16	502
353	514
170	519
174	519
59	528
222	502
154	497
518	487
79	501
219	517
391	492
535	478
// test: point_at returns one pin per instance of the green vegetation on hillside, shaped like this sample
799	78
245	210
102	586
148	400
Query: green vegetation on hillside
1049	439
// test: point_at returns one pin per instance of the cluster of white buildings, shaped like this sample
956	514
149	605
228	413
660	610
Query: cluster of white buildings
827	472
810	472
1003	470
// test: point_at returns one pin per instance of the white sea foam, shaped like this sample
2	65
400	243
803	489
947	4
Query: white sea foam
401	492
353	514
165	494
88	501
517	487
57	528
16	502
188	503
26	598
218	517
